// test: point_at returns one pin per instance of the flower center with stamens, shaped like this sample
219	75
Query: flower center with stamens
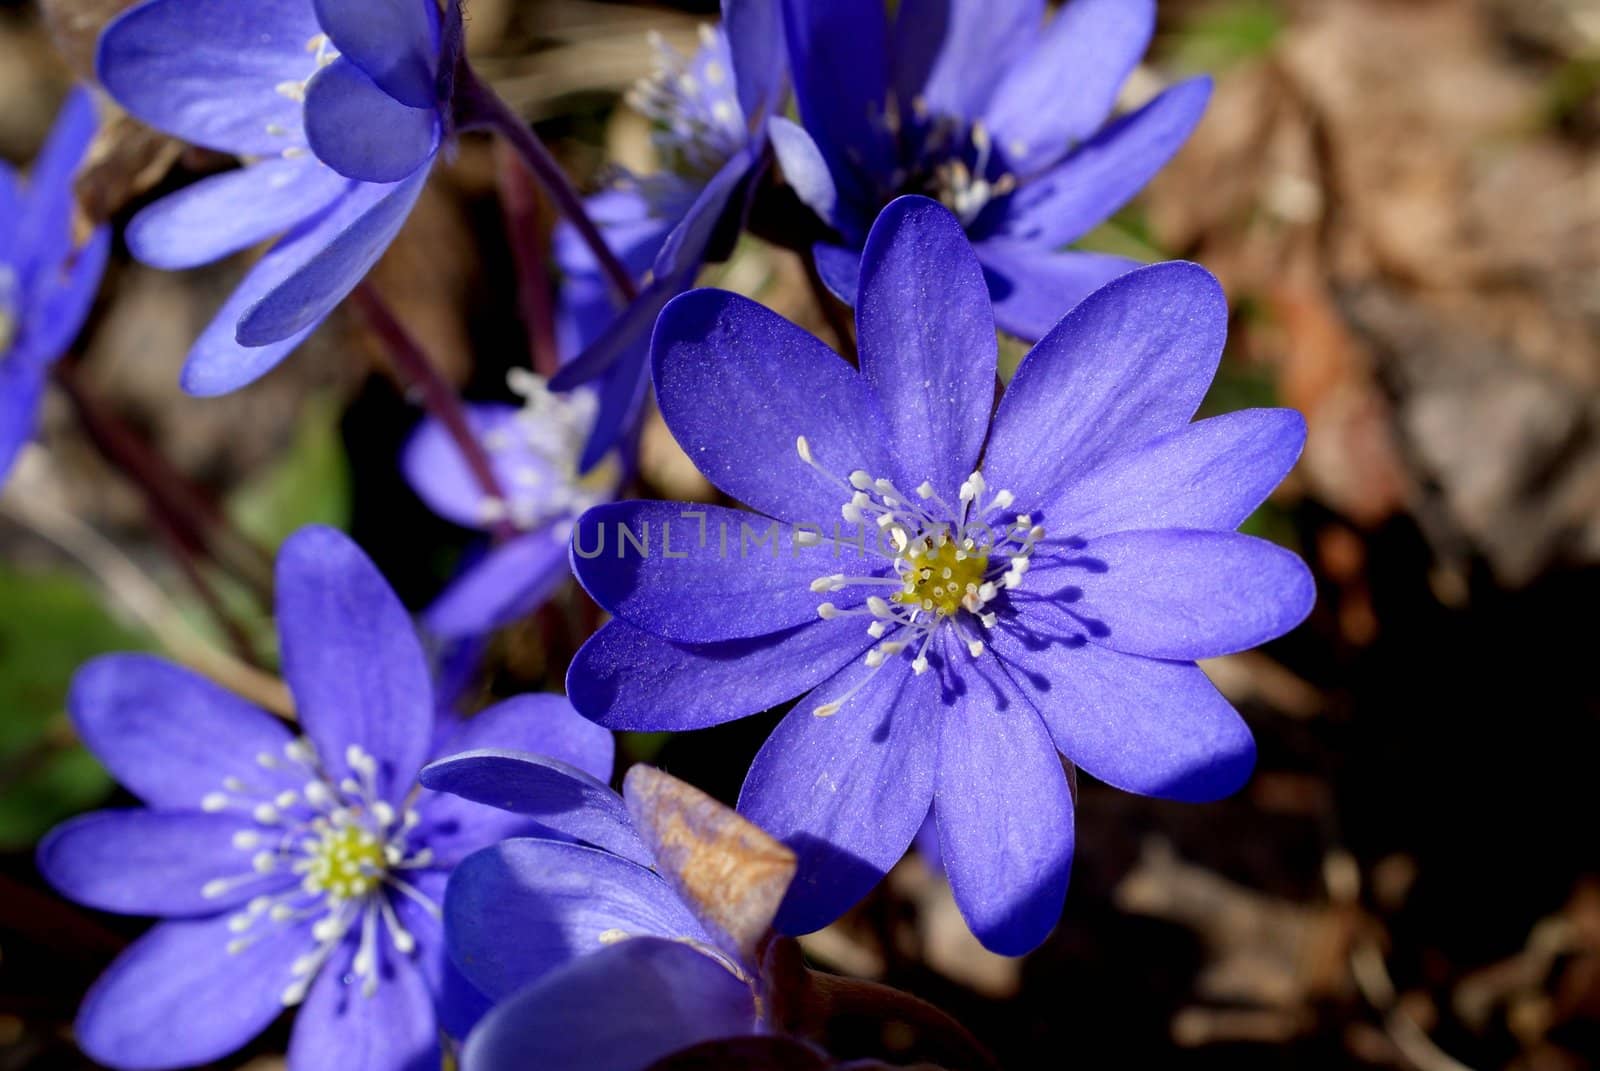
944	157
346	863
323	53
947	563
695	117
940	576
537	454
347	846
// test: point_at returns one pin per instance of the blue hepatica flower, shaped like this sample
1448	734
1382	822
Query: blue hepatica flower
989	108
1001	589
288	870
709	113
46	285
535	451
337	105
644	930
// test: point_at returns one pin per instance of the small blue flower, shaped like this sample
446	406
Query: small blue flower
709	114
993	110
289	870
270	82
1002	589
46	285
645	929
535	451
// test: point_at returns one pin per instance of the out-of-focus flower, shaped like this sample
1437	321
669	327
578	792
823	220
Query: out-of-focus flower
271	82
289	870
644	930
709	114
1002	589
989	108
47	285
535	451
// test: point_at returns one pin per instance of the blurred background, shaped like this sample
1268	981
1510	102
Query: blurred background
1402	199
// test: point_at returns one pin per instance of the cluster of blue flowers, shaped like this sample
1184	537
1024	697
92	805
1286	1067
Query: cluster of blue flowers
964	599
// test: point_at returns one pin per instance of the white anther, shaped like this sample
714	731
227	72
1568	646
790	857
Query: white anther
804	449
214	802
246	840
265	813
827	611
975	647
264	862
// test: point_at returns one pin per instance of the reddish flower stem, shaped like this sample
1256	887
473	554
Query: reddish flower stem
478	107
519	199
438	397
182	509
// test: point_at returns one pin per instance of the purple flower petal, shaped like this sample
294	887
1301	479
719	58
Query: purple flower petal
551	793
1078	65
509	582
44	231
207	71
395	42
1033	287
340	1027
846	792
218	362
926	335
352	660
229	212
618	1010
952	53
840	269
1212	474
540	724
624	387
1130	363
754	29
140	862
458	1003
12	205
1143	725
804	170
518	910
178	997
839	63
437	472
1004	812
784	384
362	132
685	247
1101	175
156	727
21	389
305	297
61	299
1185	594
693	573
624	678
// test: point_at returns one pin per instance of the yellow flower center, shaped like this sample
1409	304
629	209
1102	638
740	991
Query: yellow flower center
937	580
346	862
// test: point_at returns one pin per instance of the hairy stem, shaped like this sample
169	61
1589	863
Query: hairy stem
478	107
518	199
438	396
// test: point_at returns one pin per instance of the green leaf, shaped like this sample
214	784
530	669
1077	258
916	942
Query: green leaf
310	484
1227	33
50	624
